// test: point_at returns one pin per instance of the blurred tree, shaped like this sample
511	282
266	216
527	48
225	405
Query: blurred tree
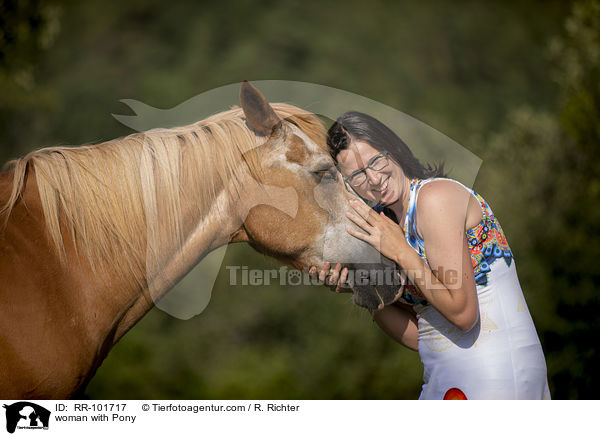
549	162
28	28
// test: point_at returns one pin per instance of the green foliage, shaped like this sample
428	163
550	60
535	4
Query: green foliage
549	163
27	30
575	264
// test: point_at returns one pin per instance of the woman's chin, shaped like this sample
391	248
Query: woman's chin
387	197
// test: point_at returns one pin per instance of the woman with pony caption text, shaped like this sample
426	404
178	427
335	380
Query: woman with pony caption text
462	307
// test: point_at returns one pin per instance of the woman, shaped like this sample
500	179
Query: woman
463	309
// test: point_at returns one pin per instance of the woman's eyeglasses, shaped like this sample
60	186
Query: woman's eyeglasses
359	177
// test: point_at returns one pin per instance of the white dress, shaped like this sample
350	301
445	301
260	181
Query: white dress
501	357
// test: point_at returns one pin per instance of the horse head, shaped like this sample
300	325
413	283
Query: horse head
304	221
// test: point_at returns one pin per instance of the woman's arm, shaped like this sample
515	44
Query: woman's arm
441	217
454	298
447	279
399	323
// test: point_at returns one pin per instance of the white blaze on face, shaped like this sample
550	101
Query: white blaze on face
309	143
338	246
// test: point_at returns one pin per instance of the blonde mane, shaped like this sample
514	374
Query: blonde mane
114	197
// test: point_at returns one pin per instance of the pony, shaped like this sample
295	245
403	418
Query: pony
93	235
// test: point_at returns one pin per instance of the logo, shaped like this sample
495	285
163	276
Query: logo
26	415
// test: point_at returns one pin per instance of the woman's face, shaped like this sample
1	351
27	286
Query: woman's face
382	186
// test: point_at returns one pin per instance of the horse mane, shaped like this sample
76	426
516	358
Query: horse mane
112	198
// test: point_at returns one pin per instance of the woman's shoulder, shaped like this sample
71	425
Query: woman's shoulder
440	200
439	191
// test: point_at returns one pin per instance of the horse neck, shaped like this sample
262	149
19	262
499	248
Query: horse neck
213	230
120	300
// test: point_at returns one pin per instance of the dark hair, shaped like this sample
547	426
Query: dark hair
357	125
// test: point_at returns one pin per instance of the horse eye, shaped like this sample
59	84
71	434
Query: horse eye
326	174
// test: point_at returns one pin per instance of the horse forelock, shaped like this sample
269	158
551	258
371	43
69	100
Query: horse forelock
308	123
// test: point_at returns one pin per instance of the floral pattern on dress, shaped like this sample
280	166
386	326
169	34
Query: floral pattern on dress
486	241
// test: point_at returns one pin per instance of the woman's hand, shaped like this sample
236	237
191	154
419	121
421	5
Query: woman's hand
382	233
334	278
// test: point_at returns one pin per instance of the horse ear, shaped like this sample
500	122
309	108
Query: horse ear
260	116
